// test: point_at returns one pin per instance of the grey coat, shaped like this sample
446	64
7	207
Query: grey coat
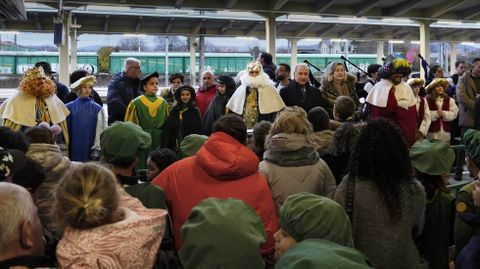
388	244
466	94
284	181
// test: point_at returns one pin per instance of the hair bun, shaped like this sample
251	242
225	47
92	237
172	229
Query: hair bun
56	129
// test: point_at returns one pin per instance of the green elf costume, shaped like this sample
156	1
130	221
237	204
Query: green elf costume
149	112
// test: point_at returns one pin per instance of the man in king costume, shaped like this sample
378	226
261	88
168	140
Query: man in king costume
256	98
393	99
35	102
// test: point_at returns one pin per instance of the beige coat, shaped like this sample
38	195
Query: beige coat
466	95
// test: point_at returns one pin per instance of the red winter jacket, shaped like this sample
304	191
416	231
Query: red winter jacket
222	168
203	97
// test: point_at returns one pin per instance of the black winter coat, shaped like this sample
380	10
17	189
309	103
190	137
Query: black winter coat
175	131
121	90
292	95
215	110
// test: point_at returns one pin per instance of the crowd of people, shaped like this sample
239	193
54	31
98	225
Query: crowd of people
261	170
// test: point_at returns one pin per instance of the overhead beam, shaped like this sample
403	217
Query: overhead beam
281	25
226	26
123	1
106	23
402	8
469	13
178	4
323	5
349	31
304	29
37	22
444	8
198	27
325	30
138	25
230	3
278	4
169	25
251	28
365	6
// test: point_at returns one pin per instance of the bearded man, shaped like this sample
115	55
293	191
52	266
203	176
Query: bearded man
34	103
256	98
393	99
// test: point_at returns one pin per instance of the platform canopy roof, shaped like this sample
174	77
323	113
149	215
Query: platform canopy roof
128	16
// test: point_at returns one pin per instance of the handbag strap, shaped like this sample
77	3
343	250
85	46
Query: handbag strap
350	197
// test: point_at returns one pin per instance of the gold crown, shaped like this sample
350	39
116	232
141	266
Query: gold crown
34	72
254	66
401	63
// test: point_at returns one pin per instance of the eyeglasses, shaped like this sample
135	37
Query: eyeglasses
135	67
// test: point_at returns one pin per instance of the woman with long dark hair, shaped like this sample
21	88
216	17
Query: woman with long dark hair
385	203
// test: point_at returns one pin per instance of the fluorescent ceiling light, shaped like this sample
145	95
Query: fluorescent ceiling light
9	33
246	37
415	42
312	39
467	43
396	41
338	40
135	35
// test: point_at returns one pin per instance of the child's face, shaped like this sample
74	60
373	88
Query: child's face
476	193
151	87
439	89
416	89
335	114
176	83
152	169
221	89
185	96
85	90
283	241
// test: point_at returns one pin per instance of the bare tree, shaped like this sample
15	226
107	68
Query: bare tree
132	44
175	43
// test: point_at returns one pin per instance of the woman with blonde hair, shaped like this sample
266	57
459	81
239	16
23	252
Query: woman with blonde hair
337	82
99	231
291	162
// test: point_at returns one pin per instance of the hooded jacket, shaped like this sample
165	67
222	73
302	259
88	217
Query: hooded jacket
292	166
55	165
129	243
237	232
222	168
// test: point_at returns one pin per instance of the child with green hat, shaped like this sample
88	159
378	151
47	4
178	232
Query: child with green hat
319	253
465	204
432	159
222	233
305	215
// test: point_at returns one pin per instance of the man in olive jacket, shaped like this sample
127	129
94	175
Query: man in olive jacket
468	88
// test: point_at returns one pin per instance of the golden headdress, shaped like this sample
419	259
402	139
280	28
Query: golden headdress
254	66
36	83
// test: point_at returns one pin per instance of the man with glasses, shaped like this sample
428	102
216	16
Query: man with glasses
122	88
